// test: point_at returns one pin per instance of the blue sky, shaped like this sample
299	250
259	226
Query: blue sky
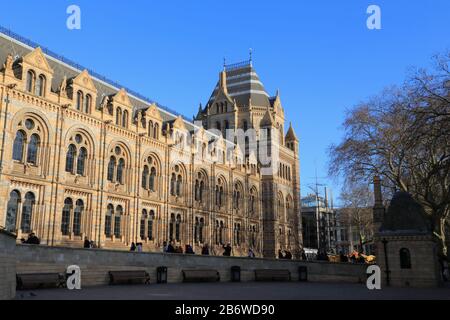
320	54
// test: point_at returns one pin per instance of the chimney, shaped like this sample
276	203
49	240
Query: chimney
377	191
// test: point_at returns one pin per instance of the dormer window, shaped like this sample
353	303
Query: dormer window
79	101
87	103
40	86
31	77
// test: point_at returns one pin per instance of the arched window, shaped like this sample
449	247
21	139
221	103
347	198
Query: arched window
156	131
173	182
77	215
196	230
125	119
200	229
12	210
33	149
117	222
197	191
120	171
151	218
405	259
179	185
18	146
70	158
202	187
27	212
81	161
152	180
87	103
30	81
79	101
221	227
143	223
150	129
65	219
40	86
145	173
178	229
118	116
217	232
171	227
108	220
111	168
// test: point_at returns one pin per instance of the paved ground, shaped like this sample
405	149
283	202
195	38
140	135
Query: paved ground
237	291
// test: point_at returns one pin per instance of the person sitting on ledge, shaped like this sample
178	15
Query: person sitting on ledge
139	247
227	250
170	248
32	239
133	247
165	246
87	243
205	250
280	254
251	254
189	249
179	250
288	255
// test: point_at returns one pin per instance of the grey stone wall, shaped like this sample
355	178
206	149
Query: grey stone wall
95	265
7	266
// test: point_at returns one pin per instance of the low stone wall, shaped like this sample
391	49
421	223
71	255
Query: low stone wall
95	265
7	266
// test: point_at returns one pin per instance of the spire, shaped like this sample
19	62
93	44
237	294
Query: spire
291	136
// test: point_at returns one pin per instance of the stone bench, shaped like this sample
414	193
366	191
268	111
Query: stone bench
272	275
129	277
201	276
40	280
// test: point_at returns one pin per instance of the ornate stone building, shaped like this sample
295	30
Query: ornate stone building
82	157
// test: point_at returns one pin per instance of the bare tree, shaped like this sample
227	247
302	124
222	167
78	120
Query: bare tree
356	213
403	135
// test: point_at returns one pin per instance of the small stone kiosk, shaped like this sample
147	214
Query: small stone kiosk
406	248
7	265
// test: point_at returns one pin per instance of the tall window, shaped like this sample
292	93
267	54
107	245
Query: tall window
111	168
79	101
87	103
118	116
173	183
81	161
117	222
171	227
150	129
152	179
200	230
178	229
12	210
30	81
27	212
18	146
120	171
40	86
179	185
221	229
145	174
70	158
65	220
33	149
77	216
143	222
108	220
125	119
405	259
156	131
151	218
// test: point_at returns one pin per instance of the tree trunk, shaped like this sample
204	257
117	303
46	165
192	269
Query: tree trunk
442	237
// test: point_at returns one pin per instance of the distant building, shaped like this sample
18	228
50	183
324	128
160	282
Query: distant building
351	236
319	223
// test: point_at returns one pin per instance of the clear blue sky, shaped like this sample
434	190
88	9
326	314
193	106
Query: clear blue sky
318	53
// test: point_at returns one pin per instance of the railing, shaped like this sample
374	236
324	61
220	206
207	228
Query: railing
242	64
79	67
